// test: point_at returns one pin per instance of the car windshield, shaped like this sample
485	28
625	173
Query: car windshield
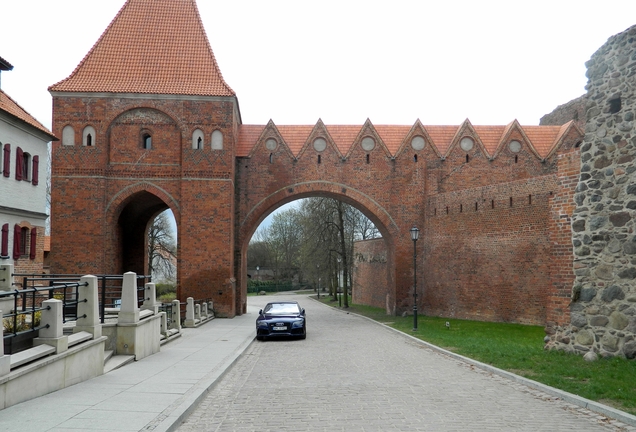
281	308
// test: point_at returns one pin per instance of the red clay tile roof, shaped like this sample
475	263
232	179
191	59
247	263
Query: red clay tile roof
11	107
295	136
153	47
247	137
490	136
441	136
392	136
343	136
542	138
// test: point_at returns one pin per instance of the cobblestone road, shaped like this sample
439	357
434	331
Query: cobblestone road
353	375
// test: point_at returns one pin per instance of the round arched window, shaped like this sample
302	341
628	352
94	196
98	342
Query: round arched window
271	144
368	143
467	143
417	143
320	144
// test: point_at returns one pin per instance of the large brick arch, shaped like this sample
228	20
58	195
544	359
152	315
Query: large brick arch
128	213
358	199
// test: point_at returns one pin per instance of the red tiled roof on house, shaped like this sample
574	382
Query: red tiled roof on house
11	107
151	47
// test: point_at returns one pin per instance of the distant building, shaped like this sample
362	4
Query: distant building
23	195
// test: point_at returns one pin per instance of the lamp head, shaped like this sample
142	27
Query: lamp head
415	233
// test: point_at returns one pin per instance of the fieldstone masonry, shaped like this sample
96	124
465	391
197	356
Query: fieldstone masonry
603	306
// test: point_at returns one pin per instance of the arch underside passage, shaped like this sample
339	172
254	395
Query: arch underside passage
131	211
248	224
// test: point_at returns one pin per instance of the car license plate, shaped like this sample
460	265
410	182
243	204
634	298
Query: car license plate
279	328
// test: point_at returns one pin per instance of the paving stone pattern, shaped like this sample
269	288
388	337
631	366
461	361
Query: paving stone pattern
355	375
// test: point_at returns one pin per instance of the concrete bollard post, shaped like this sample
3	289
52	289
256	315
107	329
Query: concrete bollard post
88	311
5	360
204	310
197	312
129	312
6	284
176	315
211	309
6	278
53	334
163	326
189	318
150	298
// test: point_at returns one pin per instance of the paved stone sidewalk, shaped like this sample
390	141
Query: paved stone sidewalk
351	374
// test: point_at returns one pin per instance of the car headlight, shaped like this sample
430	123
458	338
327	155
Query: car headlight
261	323
297	324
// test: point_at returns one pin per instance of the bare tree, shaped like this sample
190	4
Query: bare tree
162	250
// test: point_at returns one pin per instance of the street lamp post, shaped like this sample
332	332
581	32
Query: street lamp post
257	269
318	268
415	233
338	287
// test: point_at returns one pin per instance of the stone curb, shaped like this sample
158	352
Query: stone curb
567	397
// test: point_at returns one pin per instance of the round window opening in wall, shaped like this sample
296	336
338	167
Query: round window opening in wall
271	144
514	146
320	144
368	143
417	143
467	143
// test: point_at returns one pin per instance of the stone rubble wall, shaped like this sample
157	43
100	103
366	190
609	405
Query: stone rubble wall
603	304
573	110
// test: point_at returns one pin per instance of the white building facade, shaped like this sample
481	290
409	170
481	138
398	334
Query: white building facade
23	185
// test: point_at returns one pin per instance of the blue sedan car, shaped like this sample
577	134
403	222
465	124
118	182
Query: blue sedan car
278	319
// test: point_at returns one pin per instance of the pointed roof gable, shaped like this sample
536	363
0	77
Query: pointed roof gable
542	140
152	47
11	107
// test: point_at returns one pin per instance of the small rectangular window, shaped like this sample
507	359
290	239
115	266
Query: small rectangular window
19	163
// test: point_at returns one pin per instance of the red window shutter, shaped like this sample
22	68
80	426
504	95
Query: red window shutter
19	163
6	165
17	235
5	240
34	174
34	238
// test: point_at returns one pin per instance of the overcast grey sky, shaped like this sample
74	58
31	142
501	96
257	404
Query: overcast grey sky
346	61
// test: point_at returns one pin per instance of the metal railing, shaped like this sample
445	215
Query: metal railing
27	307
109	290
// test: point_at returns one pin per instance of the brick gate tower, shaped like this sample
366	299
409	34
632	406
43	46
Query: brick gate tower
147	123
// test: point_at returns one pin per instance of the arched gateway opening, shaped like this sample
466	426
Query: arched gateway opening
131	238
375	213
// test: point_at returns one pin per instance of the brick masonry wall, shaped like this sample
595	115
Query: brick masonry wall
369	273
26	265
103	196
603	297
488	253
